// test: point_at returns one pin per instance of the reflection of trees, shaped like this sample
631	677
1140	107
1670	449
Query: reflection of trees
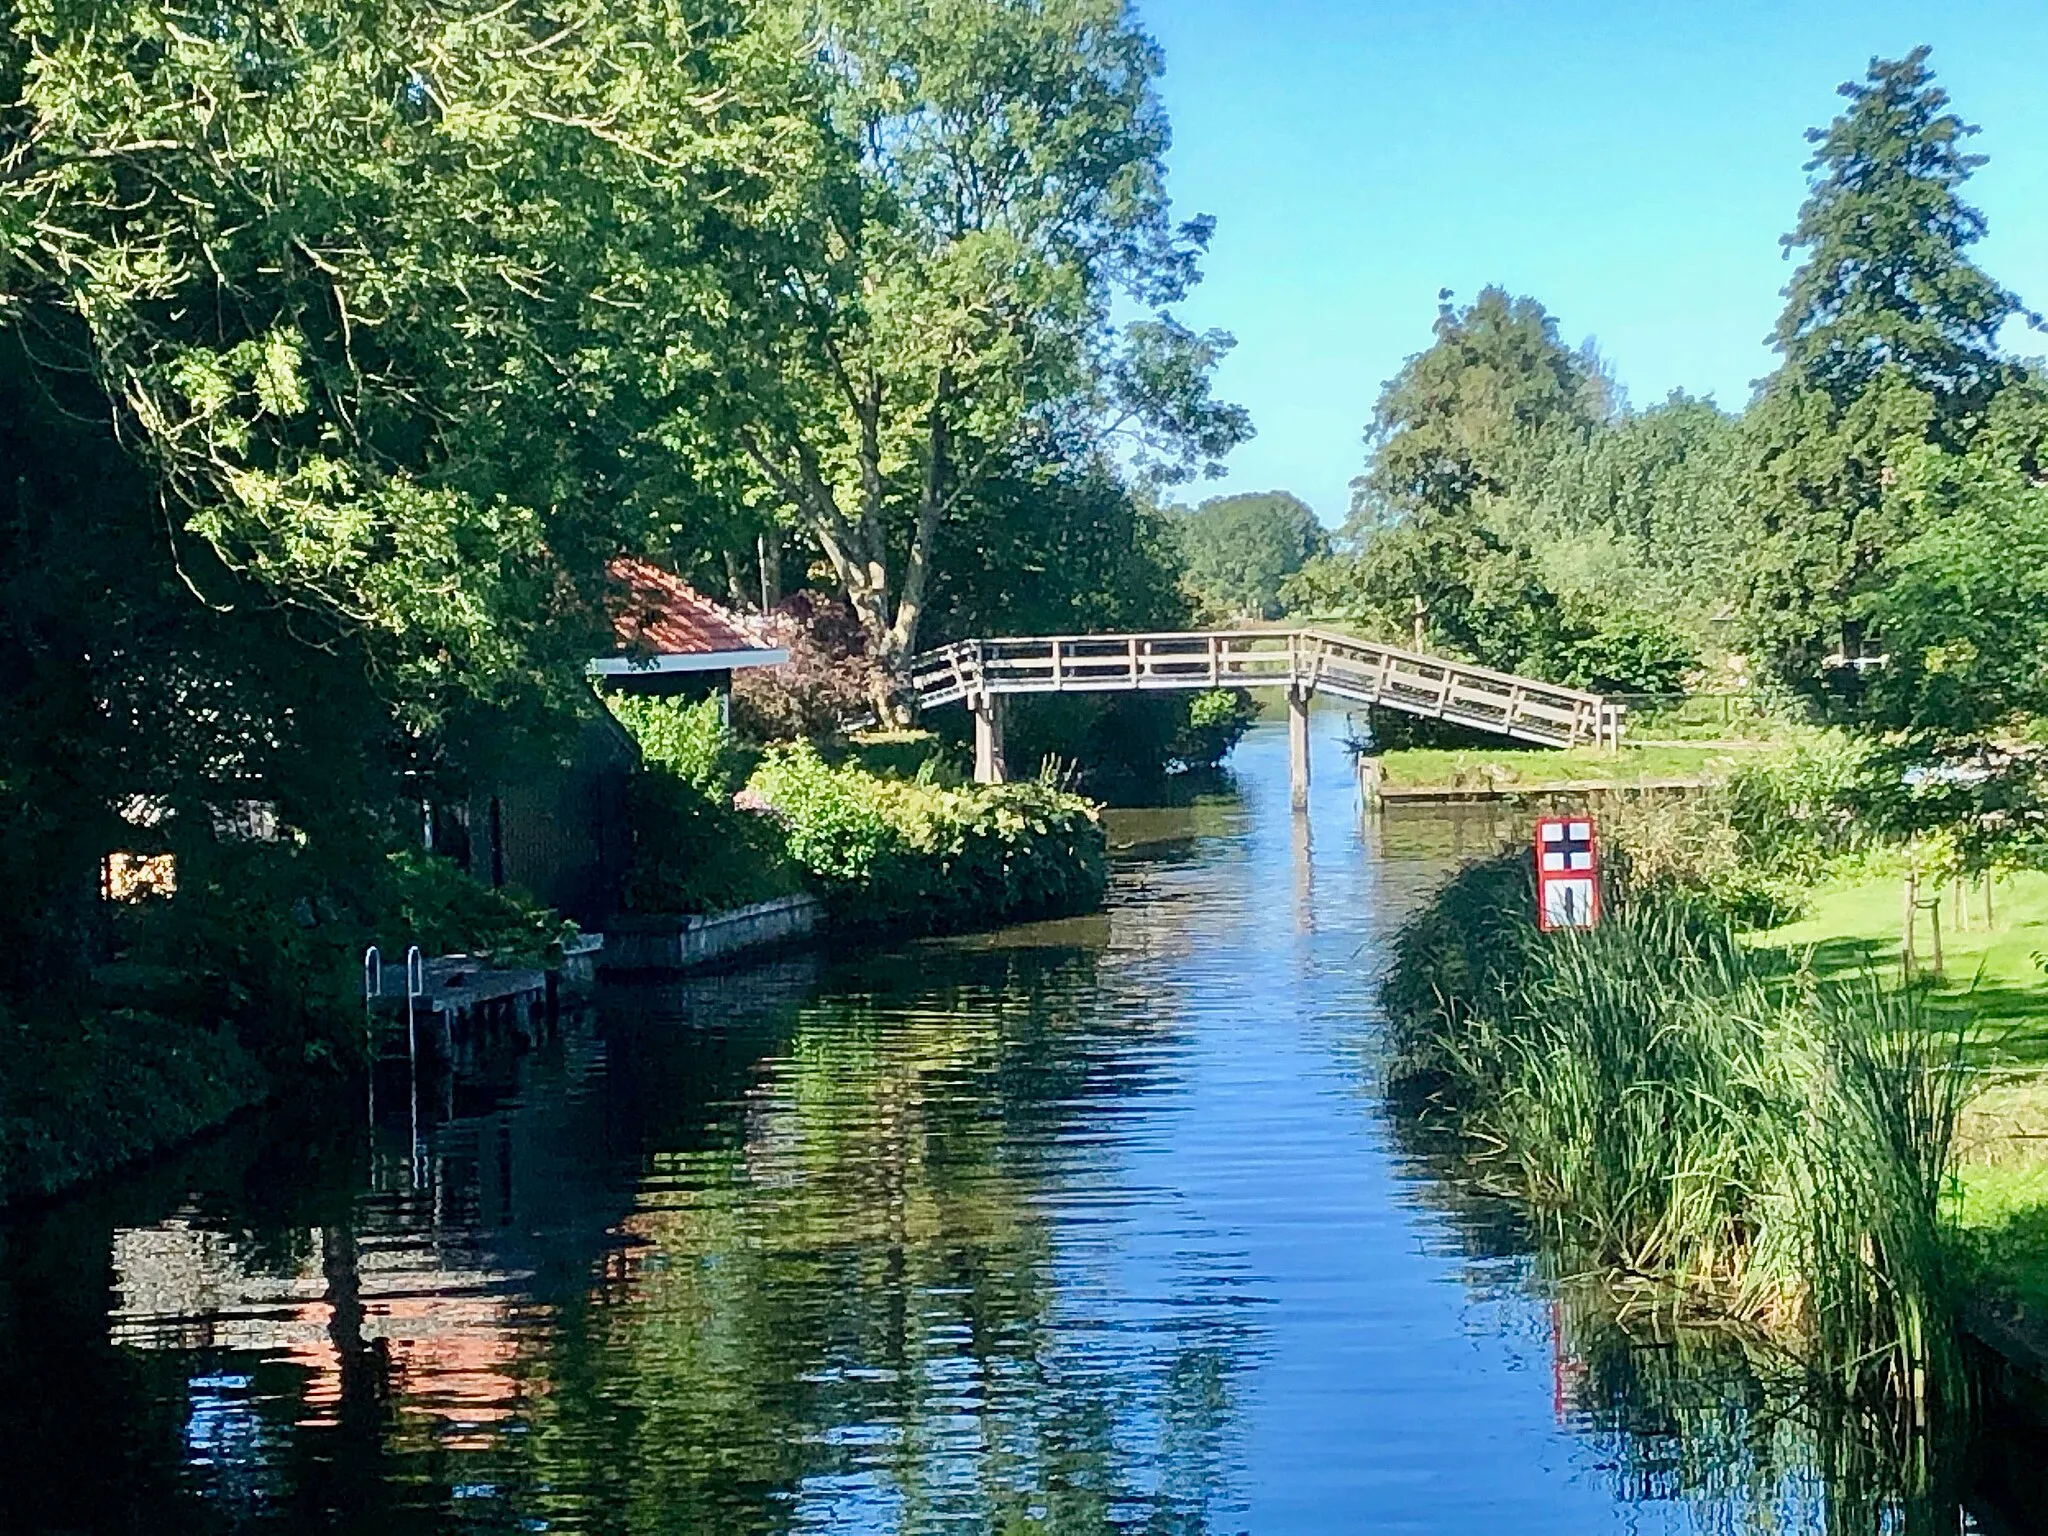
847	1303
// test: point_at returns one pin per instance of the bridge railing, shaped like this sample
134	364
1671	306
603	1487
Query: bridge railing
1313	660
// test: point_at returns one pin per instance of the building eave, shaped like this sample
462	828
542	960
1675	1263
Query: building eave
686	661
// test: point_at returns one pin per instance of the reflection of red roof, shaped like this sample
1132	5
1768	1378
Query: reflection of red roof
657	612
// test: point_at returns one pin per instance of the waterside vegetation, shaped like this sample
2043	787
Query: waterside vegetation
1722	1139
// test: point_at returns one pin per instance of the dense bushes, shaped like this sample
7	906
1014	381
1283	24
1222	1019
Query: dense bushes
1757	844
883	851
694	852
1719	1137
919	855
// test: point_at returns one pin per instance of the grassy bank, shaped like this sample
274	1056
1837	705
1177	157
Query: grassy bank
1534	767
83	1094
1719	1139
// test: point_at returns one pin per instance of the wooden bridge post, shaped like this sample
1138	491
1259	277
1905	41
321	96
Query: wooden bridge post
989	765
1297	744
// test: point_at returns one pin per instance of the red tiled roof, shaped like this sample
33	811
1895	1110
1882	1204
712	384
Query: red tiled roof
657	613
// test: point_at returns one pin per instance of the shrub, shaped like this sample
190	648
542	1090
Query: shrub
695	852
1216	722
828	681
916	854
1794	807
689	738
85	1091
427	900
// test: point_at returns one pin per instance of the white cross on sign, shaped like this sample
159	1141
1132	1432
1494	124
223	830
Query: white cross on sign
1567	845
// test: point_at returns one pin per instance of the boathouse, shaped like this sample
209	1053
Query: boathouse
550	814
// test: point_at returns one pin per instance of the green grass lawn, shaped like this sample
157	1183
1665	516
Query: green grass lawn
1853	926
1508	767
1992	980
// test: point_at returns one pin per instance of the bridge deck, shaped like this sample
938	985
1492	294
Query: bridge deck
1305	661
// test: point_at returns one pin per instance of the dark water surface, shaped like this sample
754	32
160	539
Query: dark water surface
1081	1226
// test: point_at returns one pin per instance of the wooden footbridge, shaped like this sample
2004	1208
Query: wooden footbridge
1304	662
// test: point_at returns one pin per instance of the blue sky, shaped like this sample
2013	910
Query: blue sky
1630	165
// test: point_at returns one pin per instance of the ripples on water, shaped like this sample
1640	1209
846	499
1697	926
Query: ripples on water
1082	1226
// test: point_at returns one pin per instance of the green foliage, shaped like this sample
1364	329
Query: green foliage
270	936
86	1091
1962	608
1053	549
426	900
1483	447
917	855
1819	524
1238	550
1612	646
694	851
1889	339
1001	186
1754	847
687	738
1469	416
1217	721
1644	502
1676	1113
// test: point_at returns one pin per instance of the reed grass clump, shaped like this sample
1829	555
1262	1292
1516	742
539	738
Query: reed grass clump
1723	1140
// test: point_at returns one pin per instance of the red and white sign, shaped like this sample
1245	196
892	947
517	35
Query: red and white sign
1567	873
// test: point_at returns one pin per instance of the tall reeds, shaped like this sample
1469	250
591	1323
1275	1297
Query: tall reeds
1720	1139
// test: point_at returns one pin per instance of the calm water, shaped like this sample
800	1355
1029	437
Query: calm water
1082	1226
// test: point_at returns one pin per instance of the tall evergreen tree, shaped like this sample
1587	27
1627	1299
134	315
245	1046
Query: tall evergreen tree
1886	281
1889	339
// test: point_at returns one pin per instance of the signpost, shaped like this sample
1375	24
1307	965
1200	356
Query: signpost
1567	873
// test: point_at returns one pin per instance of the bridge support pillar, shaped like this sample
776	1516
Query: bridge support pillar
1297	745
989	764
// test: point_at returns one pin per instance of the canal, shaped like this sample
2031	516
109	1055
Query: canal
1084	1226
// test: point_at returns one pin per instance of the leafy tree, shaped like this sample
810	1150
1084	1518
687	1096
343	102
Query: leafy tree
1001	184
1469	416
1646	501
1239	549
1459	428
390	296
1962	606
1056	546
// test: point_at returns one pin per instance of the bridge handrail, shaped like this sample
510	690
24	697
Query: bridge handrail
1348	665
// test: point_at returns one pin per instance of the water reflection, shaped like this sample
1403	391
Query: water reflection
1087	1226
